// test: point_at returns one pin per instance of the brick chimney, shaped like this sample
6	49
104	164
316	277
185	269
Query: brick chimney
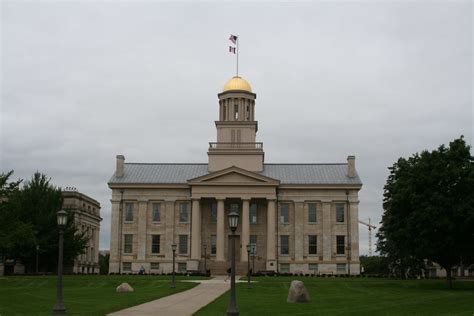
119	168
351	169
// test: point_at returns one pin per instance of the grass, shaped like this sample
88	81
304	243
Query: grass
83	295
351	296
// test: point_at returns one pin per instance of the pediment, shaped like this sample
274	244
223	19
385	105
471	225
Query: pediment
233	176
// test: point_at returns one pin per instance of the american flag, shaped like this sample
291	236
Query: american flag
233	39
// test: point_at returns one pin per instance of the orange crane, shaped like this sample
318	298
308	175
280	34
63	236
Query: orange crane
370	227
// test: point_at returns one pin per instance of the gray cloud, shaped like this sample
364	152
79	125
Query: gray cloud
84	81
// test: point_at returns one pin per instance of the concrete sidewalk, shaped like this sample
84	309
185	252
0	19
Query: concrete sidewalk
184	303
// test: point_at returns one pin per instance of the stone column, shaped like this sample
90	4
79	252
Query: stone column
115	238
271	237
220	231
299	230
142	242
245	238
169	228
196	231
327	247
354	209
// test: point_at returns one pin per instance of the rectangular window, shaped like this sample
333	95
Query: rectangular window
155	266
156	212
313	267
128	243
285	213
214	213
127	266
253	245
312	212
129	212
340	213
213	244
253	213
155	243
284	244
341	268
284	267
312	244
183	244
184	212
182	267
340	244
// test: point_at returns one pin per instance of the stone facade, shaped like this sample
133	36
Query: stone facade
297	217
86	219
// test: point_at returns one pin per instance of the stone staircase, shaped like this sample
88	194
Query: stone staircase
220	268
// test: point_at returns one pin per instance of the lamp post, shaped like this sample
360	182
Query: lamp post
205	259
233	217
59	306
173	248
37	251
249	285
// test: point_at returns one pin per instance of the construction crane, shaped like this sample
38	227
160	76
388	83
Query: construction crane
370	227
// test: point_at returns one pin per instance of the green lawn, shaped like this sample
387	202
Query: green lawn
83	295
351	296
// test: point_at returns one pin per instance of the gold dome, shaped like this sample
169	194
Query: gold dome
237	83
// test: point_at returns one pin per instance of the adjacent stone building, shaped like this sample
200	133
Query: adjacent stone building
297	217
86	219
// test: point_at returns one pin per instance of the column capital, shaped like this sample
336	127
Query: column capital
195	199
326	201
142	200
220	199
246	199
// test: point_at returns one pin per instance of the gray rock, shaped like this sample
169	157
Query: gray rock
298	293
124	288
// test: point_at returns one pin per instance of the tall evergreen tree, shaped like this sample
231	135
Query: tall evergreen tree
429	207
37	204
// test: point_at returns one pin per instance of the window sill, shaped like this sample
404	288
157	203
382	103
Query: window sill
156	222
128	222
183	222
340	223
313	223
286	223
284	255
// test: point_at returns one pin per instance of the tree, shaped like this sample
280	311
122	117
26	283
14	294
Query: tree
36	205
429	207
104	263
15	235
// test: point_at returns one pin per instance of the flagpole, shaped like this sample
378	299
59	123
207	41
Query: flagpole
237	42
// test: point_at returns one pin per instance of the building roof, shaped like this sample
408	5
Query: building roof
179	173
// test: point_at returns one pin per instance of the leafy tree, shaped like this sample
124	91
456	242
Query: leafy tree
14	234
36	205
429	208
104	263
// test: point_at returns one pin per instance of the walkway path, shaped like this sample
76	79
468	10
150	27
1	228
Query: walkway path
184	303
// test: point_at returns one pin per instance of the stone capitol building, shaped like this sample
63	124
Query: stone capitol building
300	218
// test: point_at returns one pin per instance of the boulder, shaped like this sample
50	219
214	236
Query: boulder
124	288
298	293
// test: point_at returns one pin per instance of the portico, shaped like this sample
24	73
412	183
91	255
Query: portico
232	185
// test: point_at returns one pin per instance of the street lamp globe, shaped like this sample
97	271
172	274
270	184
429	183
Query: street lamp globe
62	218
248	247
233	219
173	247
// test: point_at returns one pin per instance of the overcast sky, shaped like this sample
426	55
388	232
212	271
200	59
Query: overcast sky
85	81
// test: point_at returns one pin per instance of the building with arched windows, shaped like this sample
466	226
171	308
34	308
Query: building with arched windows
296	217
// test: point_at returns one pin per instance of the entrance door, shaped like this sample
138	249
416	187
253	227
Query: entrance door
237	248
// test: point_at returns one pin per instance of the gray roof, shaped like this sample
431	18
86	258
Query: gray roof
175	173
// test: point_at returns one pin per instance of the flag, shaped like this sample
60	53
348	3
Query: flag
231	49
233	39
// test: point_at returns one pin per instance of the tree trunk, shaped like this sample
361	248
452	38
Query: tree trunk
448	277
